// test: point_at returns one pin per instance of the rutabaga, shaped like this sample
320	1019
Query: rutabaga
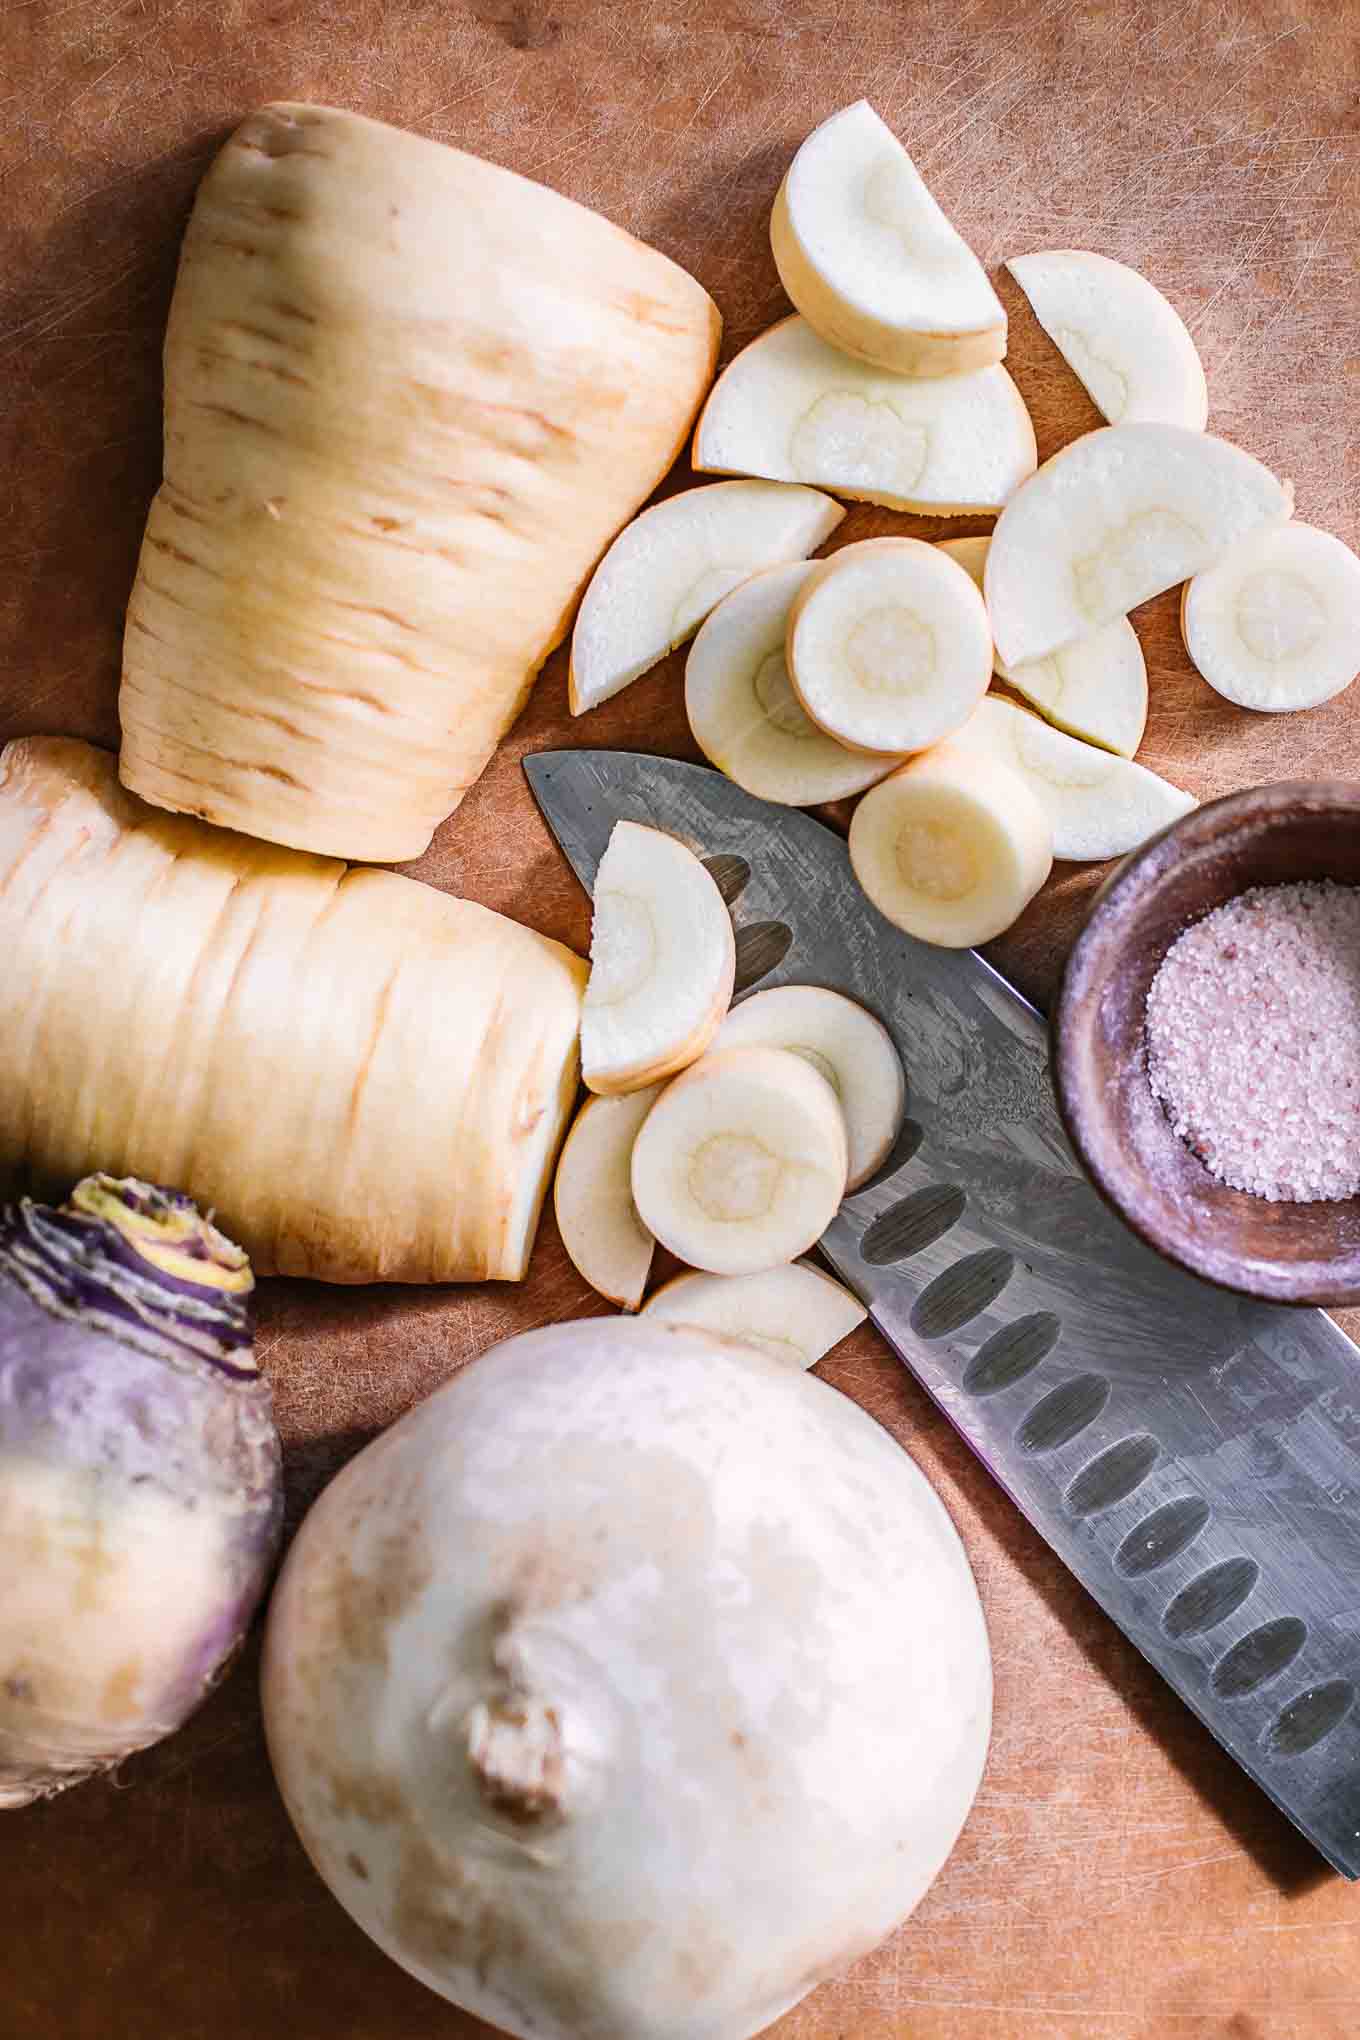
629	1686
409	400
366	1079
140	1491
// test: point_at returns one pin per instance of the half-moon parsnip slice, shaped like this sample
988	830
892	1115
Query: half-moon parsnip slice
662	962
796	410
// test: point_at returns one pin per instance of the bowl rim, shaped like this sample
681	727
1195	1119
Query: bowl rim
1251	810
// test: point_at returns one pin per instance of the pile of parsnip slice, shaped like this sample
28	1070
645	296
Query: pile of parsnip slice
986	695
730	1138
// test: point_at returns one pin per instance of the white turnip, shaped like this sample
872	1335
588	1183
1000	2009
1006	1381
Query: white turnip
629	1686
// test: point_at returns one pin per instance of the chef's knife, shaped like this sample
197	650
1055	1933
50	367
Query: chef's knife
1193	1457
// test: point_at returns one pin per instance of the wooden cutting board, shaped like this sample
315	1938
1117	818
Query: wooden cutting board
1119	1878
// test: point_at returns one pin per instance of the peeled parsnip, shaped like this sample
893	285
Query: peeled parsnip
953	846
1095	688
1112	519
888	647
742	1162
593	1197
366	1079
793	409
662	962
870	260
671	566
1276	624
409	400
1116	331
743	712
1098	805
796	1314
852	1050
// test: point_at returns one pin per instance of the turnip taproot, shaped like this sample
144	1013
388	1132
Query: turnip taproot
140	1494
410	398
366	1078
629	1686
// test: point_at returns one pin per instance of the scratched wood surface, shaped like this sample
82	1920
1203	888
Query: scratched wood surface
1118	1878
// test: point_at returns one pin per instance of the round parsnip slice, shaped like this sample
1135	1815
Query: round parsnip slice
795	1313
741	1163
1276	625
888	647
1118	335
852	1050
743	712
952	847
666	570
1098	805
1113	519
662	961
593	1197
870	260
1096	688
796	410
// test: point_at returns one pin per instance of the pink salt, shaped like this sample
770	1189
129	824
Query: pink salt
1253	1040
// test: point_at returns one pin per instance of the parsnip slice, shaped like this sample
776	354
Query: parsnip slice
662	961
743	712
1114	518
1095	688
1097	805
888	647
1276	625
593	1197
1118	334
795	1313
793	409
741	1163
951	847
667	569
852	1050
870	260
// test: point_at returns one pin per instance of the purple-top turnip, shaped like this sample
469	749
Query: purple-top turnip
140	1488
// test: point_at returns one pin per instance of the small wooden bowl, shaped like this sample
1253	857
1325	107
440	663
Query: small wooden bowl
1288	1253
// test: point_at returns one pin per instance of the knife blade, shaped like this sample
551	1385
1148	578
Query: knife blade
1192	1457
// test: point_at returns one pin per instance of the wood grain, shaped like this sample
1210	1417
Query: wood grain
1119	1878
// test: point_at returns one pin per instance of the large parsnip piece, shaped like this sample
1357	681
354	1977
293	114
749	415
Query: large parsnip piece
410	398
366	1079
